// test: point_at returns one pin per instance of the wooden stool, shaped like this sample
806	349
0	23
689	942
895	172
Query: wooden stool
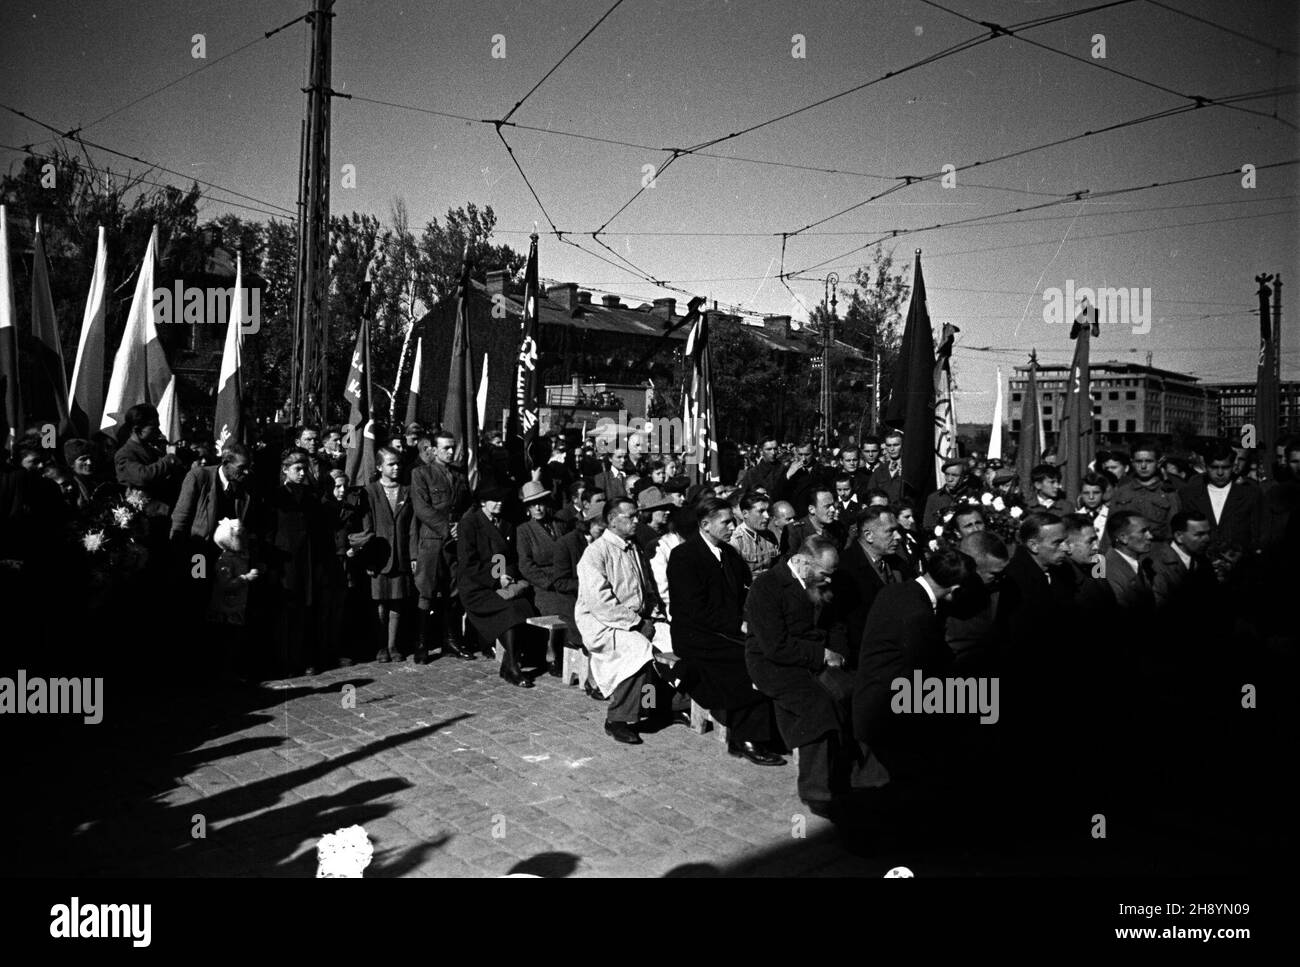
555	627
702	721
576	665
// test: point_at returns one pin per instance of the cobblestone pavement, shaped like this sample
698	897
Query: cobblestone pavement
451	771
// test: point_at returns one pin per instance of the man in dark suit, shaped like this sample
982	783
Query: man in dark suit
795	656
708	582
866	566
148	462
821	520
971	626
1036	589
1127	569
439	497
613	481
768	474
211	494
888	475
1184	576
1094	600
801	477
1233	507
904	633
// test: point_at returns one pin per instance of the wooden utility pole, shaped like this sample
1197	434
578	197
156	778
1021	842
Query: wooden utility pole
310	374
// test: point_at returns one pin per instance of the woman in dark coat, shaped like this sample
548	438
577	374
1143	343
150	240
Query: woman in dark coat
391	520
494	594
294	535
345	586
538	541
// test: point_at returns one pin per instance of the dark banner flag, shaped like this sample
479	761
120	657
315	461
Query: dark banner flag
1266	389
911	402
460	414
359	434
945	410
1029	448
50	393
699	420
12	389
522	426
1078	444
228	422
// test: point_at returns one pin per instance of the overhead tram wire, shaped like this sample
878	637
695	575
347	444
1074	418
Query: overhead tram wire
957	48
121	154
519	103
1081	195
1227	30
908	180
136	178
1014	31
188	74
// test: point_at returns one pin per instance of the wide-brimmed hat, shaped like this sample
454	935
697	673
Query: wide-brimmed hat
652	498
534	491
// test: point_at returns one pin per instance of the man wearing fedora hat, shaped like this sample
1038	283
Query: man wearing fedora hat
652	506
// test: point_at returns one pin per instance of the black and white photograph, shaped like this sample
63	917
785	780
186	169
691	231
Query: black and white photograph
639	439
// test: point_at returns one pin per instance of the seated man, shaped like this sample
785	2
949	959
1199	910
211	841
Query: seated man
757	545
904	633
709	583
795	656
615	613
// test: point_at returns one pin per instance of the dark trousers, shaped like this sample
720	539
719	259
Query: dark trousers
644	692
755	722
823	768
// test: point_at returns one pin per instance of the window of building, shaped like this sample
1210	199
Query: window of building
1047	426
1113	396
1015	397
1112	426
1047	411
1131	395
1015	426
1096	411
1130	426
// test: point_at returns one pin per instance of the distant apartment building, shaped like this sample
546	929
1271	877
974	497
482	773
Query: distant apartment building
1128	400
1237	407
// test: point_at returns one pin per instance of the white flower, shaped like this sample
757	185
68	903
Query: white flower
136	498
122	517
938	530
948	516
934	545
998	503
1016	513
986	499
93	541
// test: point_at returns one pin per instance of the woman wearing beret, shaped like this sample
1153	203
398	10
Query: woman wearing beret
494	594
538	540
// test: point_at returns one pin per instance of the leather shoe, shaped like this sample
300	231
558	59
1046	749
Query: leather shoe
622	732
593	693
420	656
680	718
517	678
464	654
755	754
383	655
553	669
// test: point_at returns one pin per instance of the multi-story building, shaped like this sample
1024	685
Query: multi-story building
1237	407
1128	401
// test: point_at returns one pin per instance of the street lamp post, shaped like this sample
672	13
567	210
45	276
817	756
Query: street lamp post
828	380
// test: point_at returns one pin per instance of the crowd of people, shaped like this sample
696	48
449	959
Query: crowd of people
789	602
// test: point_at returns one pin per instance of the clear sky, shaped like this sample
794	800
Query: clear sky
676	73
